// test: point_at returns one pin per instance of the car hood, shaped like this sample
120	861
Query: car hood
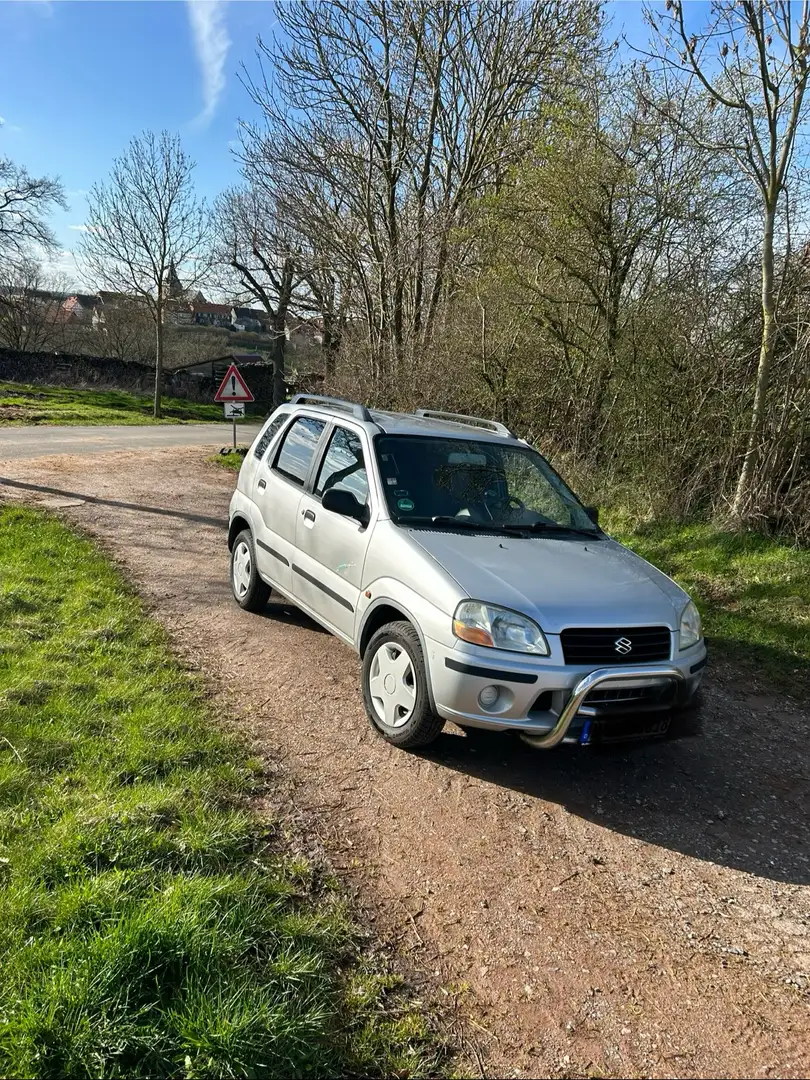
558	582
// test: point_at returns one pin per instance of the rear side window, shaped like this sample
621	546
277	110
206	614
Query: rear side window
344	466
298	449
267	435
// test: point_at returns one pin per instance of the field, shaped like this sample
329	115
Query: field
22	404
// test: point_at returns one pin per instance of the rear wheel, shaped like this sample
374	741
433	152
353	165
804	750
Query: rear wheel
250	591
395	691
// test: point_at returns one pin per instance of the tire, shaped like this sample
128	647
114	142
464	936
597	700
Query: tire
249	590
395	689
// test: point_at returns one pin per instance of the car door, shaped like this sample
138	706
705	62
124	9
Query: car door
279	485
331	549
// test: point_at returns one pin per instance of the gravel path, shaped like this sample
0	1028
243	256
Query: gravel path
642	913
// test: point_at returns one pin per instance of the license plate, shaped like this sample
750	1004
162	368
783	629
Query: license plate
625	728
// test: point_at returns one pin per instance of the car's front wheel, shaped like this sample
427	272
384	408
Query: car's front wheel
395	691
250	591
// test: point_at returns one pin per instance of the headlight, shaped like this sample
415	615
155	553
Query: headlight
498	628
691	630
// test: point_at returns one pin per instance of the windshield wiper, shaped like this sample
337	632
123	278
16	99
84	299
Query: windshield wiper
552	526
464	523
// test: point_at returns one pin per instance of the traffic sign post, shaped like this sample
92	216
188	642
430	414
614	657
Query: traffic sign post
233	393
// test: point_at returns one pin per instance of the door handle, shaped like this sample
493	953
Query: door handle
262	483
309	515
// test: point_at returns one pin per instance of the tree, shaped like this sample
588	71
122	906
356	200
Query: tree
751	64
397	115
124	329
30	308
144	227
25	201
251	244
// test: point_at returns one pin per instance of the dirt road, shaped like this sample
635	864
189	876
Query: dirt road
637	914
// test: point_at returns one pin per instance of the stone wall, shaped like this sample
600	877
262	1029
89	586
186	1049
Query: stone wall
78	372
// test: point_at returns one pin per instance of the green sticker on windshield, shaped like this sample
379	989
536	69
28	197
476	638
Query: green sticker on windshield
405	504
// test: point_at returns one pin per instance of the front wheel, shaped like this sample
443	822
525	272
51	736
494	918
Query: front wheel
395	691
250	591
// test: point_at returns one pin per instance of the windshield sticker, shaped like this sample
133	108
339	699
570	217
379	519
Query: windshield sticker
405	504
401	492
390	480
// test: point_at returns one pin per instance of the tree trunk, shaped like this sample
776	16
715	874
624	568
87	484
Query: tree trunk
279	382
741	508
158	363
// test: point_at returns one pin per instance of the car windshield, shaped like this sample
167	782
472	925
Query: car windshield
446	481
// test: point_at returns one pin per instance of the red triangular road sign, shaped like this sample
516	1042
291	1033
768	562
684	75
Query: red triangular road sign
234	387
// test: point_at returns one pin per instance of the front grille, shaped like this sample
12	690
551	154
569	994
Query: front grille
623	698
597	645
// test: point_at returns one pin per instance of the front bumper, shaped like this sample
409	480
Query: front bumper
550	703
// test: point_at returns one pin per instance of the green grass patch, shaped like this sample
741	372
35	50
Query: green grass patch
22	404
753	591
151	925
232	462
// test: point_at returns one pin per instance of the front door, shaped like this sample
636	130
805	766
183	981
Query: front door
279	483
331	549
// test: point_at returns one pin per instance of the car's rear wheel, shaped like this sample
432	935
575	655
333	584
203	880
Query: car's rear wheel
395	691
250	591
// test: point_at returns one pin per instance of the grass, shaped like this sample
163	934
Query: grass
753	591
232	462
22	404
151	926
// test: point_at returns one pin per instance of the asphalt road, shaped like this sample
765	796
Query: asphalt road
24	443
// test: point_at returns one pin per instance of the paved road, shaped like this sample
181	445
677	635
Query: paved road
32	442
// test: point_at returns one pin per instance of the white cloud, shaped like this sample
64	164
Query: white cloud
9	127
80	228
211	44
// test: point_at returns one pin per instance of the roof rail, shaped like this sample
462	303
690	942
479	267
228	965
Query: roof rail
355	408
471	421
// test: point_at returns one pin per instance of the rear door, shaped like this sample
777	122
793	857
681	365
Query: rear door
331	549
279	484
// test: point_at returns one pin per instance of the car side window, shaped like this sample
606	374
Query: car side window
344	466
298	449
268	434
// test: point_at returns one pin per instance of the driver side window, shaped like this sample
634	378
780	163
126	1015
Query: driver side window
344	466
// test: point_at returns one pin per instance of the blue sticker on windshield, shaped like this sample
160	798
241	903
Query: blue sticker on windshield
405	504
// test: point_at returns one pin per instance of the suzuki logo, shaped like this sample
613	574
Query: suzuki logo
623	645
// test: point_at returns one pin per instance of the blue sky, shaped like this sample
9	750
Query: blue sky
78	80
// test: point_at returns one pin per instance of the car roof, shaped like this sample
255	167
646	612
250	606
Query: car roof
411	424
423	422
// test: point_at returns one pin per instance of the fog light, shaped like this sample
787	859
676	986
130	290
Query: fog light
488	697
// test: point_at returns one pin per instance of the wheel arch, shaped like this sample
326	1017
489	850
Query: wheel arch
385	611
239	522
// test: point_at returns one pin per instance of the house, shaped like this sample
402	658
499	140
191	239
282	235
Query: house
204	314
253	320
79	307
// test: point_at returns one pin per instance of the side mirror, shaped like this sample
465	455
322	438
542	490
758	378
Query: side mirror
593	513
343	502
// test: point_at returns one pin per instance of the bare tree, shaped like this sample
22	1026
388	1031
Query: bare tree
30	308
261	265
124	329
145	226
25	201
751	63
398	115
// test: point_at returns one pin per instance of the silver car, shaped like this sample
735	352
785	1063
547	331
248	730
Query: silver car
473	583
